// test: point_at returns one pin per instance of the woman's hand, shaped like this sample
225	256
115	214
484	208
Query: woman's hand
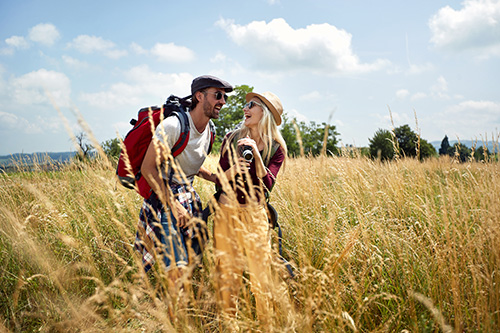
259	163
249	142
240	165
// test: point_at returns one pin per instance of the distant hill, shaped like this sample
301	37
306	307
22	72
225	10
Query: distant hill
61	157
467	143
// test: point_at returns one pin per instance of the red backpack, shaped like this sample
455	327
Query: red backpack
137	141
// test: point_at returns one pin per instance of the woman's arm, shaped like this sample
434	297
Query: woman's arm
273	168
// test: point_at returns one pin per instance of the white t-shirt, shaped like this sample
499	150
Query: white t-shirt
192	157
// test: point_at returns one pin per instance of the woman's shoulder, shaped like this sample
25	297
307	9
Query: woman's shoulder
233	132
275	147
232	135
227	136
277	151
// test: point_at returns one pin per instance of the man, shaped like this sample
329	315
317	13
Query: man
174	201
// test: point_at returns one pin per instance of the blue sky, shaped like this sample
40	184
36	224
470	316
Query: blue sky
345	62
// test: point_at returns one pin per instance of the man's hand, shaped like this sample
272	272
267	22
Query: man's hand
181	214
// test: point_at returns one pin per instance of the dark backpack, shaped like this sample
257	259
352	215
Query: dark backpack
137	141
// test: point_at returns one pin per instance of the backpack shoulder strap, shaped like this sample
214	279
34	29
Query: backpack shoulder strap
183	140
212	135
274	148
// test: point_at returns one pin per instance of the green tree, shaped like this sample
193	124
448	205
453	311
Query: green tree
460	152
232	114
111	147
445	144
290	136
407	140
427	149
406	144
381	145
313	139
312	135
85	149
481	153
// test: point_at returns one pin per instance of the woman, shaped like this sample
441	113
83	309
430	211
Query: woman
241	227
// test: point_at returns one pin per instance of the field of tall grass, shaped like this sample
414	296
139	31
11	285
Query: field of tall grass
401	246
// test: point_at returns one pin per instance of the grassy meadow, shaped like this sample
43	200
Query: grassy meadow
402	246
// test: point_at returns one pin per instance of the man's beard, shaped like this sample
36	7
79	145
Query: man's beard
210	110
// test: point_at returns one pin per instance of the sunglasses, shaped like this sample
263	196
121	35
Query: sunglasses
251	104
218	95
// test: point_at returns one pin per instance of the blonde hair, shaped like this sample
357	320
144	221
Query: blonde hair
268	131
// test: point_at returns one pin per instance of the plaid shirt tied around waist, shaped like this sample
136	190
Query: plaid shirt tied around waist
149	227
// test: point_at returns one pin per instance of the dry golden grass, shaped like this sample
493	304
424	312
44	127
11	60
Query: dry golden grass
377	247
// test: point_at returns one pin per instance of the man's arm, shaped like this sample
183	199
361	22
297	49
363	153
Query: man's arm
149	170
207	174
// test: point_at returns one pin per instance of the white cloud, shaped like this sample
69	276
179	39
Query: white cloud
441	84
172	53
122	127
418	69
293	113
476	26
399	119
75	62
92	44
118	94
318	47
312	96
164	82
140	86
17	42
402	93
10	122
6	51
44	33
3	84
218	58
168	52
34	88
464	119
137	49
115	54
417	96
89	44
412	69
488	110
440	88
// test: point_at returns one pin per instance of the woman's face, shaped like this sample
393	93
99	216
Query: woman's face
253	112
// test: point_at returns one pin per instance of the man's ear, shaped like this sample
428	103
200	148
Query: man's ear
198	95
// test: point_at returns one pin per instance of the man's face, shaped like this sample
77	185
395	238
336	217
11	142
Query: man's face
214	99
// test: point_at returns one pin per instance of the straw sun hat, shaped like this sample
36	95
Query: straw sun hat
272	102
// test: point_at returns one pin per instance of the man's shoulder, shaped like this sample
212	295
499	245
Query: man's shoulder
169	126
172	121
